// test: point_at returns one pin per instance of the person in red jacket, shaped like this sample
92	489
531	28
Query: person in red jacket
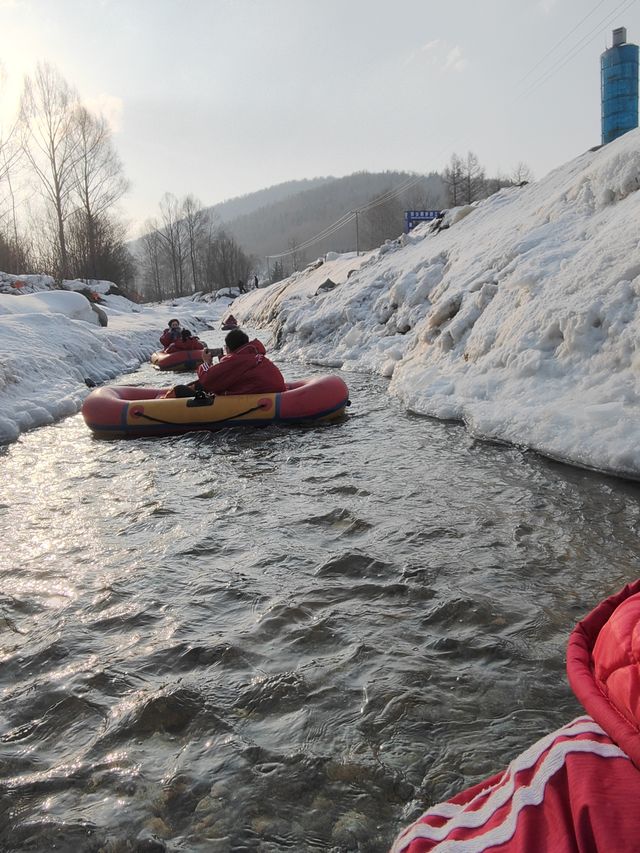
577	789
245	369
172	334
185	342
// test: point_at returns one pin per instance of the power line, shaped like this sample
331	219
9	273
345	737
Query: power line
529	89
389	194
350	215
560	63
327	232
540	80
383	199
562	40
622	7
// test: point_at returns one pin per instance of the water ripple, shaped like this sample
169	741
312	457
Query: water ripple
283	638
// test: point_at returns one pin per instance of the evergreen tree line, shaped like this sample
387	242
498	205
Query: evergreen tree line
60	183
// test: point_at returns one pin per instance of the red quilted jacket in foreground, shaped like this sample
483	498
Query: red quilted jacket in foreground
576	790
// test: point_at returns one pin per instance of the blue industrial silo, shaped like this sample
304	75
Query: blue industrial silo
619	83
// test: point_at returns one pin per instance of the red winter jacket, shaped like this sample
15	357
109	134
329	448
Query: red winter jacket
245	371
170	336
181	346
576	790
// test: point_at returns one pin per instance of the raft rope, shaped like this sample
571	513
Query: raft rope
177	423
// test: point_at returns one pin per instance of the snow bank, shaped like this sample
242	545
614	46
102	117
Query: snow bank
52	345
521	316
13	284
72	305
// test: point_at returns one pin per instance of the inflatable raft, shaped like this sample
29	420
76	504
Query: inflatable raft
120	411
180	360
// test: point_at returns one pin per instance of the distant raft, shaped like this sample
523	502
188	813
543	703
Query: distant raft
121	411
178	360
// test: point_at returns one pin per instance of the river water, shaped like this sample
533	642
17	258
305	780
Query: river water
283	639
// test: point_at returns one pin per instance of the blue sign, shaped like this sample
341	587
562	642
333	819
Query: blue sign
414	217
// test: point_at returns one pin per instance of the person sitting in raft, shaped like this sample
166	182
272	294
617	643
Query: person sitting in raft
172	334
245	369
576	789
230	322
187	341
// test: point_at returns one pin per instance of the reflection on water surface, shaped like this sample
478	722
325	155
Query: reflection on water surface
283	638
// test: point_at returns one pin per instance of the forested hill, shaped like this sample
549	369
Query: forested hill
281	225
246	204
190	248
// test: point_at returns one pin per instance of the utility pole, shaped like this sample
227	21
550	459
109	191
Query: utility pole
357	237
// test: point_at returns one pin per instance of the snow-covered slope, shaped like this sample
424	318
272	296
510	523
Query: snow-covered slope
521	318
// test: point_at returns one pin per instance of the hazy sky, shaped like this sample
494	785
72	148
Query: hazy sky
223	97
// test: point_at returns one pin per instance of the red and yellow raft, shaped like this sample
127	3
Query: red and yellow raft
121	411
187	359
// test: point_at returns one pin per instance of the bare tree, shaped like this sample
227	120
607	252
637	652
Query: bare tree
172	233
178	248
425	197
195	221
14	254
152	260
47	117
473	179
521	173
211	229
112	259
10	150
99	181
496	183
227	264
14	249
454	179
43	230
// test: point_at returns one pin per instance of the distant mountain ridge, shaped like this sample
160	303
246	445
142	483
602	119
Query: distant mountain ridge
245	204
280	225
282	219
